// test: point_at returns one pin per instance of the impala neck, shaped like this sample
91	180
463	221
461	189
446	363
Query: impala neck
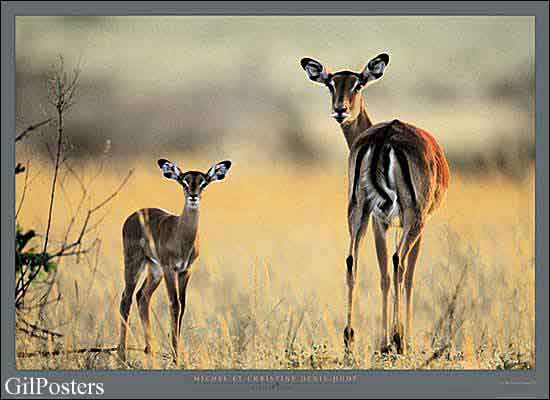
353	128
188	223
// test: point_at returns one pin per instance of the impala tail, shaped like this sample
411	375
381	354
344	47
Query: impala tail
378	168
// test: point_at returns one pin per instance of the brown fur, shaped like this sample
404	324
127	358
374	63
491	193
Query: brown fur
421	176
427	163
168	244
160	240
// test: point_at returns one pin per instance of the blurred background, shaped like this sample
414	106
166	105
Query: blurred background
233	86
268	289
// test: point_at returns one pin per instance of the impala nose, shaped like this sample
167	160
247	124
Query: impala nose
193	200
340	109
340	113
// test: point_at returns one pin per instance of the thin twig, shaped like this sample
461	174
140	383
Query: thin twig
60	107
41	330
45	303
448	316
32	333
436	354
451	306
115	193
24	190
31	128
46	353
55	174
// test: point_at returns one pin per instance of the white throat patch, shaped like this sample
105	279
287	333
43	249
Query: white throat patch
193	204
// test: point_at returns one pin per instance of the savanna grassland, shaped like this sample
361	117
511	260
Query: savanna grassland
268	289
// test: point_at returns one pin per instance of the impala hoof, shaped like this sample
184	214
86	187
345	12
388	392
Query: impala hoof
349	337
385	349
397	339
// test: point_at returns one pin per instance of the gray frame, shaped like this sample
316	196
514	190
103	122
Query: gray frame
174	384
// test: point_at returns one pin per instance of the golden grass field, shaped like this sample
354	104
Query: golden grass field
268	289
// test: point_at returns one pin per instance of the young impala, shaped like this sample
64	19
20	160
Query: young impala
396	172
168	244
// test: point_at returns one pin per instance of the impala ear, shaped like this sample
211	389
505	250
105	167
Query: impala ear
375	68
314	70
169	169
218	171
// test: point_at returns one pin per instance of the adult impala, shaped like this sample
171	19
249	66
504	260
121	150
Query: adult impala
396	172
168	244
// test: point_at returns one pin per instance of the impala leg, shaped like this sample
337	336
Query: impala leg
125	306
397	331
410	236
170	279
132	272
358	221
409	283
183	280
380	240
143	296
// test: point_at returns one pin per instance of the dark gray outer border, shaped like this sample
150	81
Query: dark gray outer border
174	384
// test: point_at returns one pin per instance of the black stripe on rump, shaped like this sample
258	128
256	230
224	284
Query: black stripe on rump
358	161
404	164
373	170
386	164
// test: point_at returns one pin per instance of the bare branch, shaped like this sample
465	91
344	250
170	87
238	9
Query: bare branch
63	253
115	193
59	81
62	92
454	323
36	329
56	172
107	350
44	303
436	354
31	128
24	189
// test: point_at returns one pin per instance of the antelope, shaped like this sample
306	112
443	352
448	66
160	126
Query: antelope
168	244
396	172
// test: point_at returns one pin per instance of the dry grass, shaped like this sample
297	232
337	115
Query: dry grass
268	289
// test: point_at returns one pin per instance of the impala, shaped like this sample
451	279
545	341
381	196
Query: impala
398	174
168	245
